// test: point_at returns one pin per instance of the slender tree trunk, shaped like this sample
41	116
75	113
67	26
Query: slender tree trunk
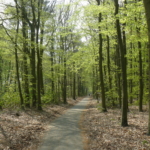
79	85
39	104
147	6
33	67
119	89
26	73
141	79
18	79
108	67
125	59
39	61
16	58
52	71
41	56
101	64
1	85
26	82
94	82
74	83
140	71
124	71
59	82
65	82
131	81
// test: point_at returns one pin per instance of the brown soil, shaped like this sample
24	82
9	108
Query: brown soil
23	130
102	131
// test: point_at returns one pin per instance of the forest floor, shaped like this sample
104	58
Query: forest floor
103	131
23	130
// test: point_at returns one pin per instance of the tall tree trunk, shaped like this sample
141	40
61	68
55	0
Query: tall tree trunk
147	6
94	82
131	80
41	56
108	67
101	64
118	76
39	104
52	71
141	79
74	83
1	88
33	67
18	79
39	65
33	27
16	58
124	121
26	82
125	58
140	70
26	53
79	84
65	82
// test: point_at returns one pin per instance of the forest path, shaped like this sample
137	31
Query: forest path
64	132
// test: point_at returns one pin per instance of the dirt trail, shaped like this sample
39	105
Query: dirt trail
64	132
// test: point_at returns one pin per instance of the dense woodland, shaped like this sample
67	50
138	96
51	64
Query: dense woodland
53	50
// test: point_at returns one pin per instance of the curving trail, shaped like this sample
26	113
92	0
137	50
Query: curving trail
65	133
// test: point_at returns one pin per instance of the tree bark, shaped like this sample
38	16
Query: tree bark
41	56
74	83
124	121
108	67
52	70
39	65
25	51
131	80
140	79
1	88
104	109
118	75
147	6
33	66
16	58
65	82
